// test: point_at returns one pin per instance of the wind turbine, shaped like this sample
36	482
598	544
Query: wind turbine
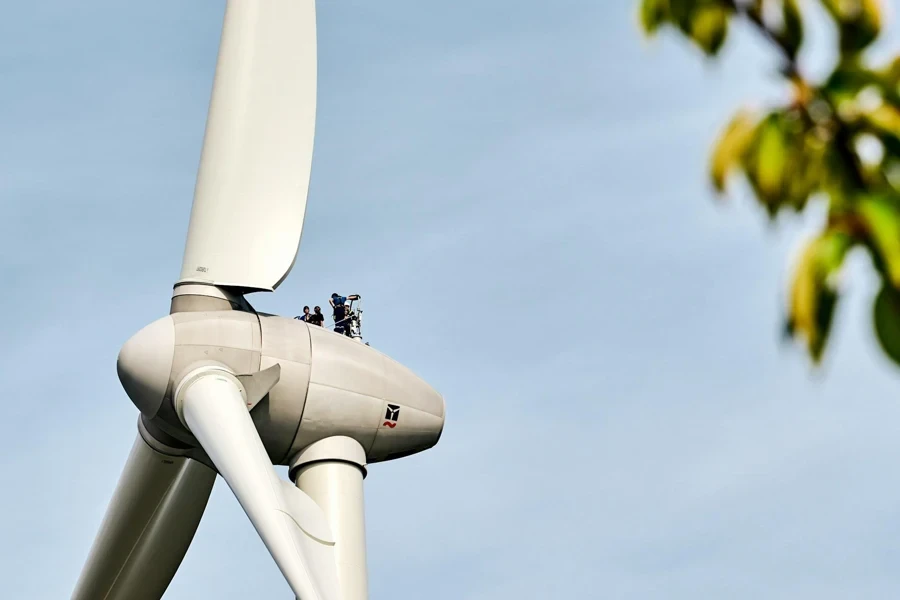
225	390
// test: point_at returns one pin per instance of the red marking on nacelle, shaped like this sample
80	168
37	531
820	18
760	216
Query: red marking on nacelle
389	424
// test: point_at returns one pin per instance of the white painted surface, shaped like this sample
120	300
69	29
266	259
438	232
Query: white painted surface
214	410
250	198
148	526
337	487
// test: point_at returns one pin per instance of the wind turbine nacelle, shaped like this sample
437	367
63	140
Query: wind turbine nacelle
330	385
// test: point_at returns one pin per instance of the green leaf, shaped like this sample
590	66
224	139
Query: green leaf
786	161
654	14
709	27
755	8
891	74
813	294
792	35
851	77
730	147
881	215
847	81
808	172
890	142
771	159
682	10
886	319
859	22
886	119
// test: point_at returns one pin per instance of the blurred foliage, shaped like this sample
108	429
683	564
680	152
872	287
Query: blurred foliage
837	139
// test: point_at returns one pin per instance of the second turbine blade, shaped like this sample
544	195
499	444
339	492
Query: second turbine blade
216	414
148	526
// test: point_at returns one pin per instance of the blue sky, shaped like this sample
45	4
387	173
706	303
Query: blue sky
518	191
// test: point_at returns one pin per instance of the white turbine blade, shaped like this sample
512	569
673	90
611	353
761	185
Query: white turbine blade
290	523
250	198
148	527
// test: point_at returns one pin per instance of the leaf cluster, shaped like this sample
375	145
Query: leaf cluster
837	139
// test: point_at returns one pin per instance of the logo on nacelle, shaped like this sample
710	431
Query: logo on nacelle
391	416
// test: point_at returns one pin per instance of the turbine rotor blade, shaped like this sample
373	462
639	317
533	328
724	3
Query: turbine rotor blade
290	523
250	198
148	527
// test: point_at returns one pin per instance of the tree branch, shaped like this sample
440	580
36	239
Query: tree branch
843	140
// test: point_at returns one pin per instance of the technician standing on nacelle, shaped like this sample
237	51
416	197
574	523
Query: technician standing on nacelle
339	306
317	318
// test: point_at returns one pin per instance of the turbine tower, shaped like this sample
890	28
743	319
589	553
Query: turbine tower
225	390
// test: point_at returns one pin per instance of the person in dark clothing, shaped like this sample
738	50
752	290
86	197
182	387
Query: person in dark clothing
305	316
337	299
339	305
341	321
316	318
